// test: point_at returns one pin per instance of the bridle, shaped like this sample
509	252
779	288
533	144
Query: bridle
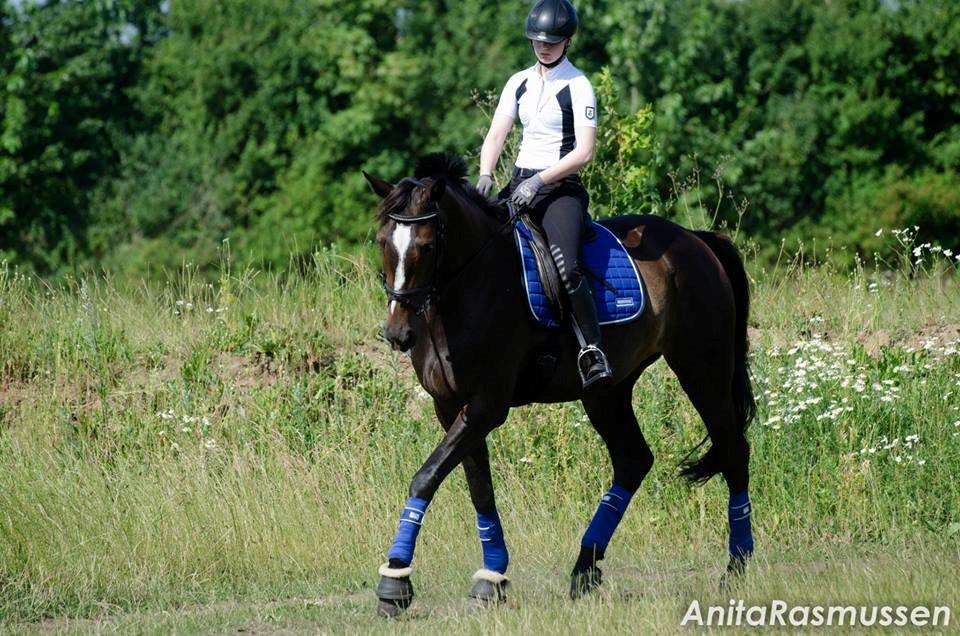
419	299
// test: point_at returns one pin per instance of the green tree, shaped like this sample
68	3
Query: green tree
806	106
66	66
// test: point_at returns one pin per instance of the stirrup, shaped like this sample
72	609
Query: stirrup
596	368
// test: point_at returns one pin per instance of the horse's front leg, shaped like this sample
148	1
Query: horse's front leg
490	581
464	435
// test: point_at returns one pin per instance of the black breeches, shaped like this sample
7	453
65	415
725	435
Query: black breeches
561	210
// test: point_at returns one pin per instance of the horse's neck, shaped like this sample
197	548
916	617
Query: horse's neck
471	311
473	237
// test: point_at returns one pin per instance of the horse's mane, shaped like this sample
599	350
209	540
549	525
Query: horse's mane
438	165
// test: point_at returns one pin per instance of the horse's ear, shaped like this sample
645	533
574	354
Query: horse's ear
381	187
437	188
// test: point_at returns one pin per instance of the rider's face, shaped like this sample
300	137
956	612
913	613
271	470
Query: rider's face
549	53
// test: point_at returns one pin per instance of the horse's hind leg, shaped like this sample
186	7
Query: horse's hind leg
611	414
708	381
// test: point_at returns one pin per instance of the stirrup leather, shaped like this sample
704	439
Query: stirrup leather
589	356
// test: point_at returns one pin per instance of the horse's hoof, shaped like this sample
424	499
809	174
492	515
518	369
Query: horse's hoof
584	582
393	596
486	594
390	609
736	570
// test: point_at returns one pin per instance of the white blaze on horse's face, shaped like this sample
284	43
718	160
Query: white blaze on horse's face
402	235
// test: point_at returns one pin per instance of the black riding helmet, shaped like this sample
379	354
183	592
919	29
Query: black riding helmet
552	21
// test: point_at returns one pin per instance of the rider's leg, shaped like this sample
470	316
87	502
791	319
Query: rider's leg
564	221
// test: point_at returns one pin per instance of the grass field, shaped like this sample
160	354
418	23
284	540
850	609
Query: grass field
232	455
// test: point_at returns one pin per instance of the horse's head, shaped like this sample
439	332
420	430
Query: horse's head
410	244
429	226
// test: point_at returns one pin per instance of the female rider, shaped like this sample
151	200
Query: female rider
557	109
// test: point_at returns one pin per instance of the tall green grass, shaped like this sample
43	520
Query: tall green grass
221	449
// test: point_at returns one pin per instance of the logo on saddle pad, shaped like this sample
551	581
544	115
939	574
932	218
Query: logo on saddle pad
613	276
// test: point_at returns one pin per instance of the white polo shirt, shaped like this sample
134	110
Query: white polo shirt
550	109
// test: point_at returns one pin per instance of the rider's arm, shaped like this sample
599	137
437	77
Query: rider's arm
493	143
580	156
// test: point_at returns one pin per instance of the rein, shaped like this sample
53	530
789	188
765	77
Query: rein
429	294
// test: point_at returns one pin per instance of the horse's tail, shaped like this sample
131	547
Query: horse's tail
745	406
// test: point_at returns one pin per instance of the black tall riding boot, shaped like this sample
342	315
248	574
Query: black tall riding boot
592	361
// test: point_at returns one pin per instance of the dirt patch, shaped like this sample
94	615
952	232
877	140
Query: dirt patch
874	343
937	339
245	372
13	396
110	622
933	337
146	374
757	337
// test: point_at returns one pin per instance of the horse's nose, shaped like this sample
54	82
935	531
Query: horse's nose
400	337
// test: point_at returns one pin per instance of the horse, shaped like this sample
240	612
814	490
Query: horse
457	307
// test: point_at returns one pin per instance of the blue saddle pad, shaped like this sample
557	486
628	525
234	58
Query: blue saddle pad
605	256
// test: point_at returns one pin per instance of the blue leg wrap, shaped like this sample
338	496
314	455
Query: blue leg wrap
609	513
495	555
406	539
741	536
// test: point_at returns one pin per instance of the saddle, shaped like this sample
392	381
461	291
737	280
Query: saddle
547	272
615	282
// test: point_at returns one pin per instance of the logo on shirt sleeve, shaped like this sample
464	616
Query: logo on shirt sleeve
591	112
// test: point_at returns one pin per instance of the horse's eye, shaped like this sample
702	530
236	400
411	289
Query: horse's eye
426	248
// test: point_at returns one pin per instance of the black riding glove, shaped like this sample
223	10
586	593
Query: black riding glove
528	188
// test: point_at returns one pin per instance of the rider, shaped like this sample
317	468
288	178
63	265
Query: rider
558	110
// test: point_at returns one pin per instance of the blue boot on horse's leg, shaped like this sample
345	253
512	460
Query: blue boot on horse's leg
395	591
741	537
586	576
490	582
592	361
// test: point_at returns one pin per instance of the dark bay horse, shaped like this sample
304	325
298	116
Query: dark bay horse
457	304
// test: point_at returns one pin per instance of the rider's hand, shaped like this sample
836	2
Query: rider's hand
485	184
524	193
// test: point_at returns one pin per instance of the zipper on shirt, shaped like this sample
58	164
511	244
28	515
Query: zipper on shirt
543	89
